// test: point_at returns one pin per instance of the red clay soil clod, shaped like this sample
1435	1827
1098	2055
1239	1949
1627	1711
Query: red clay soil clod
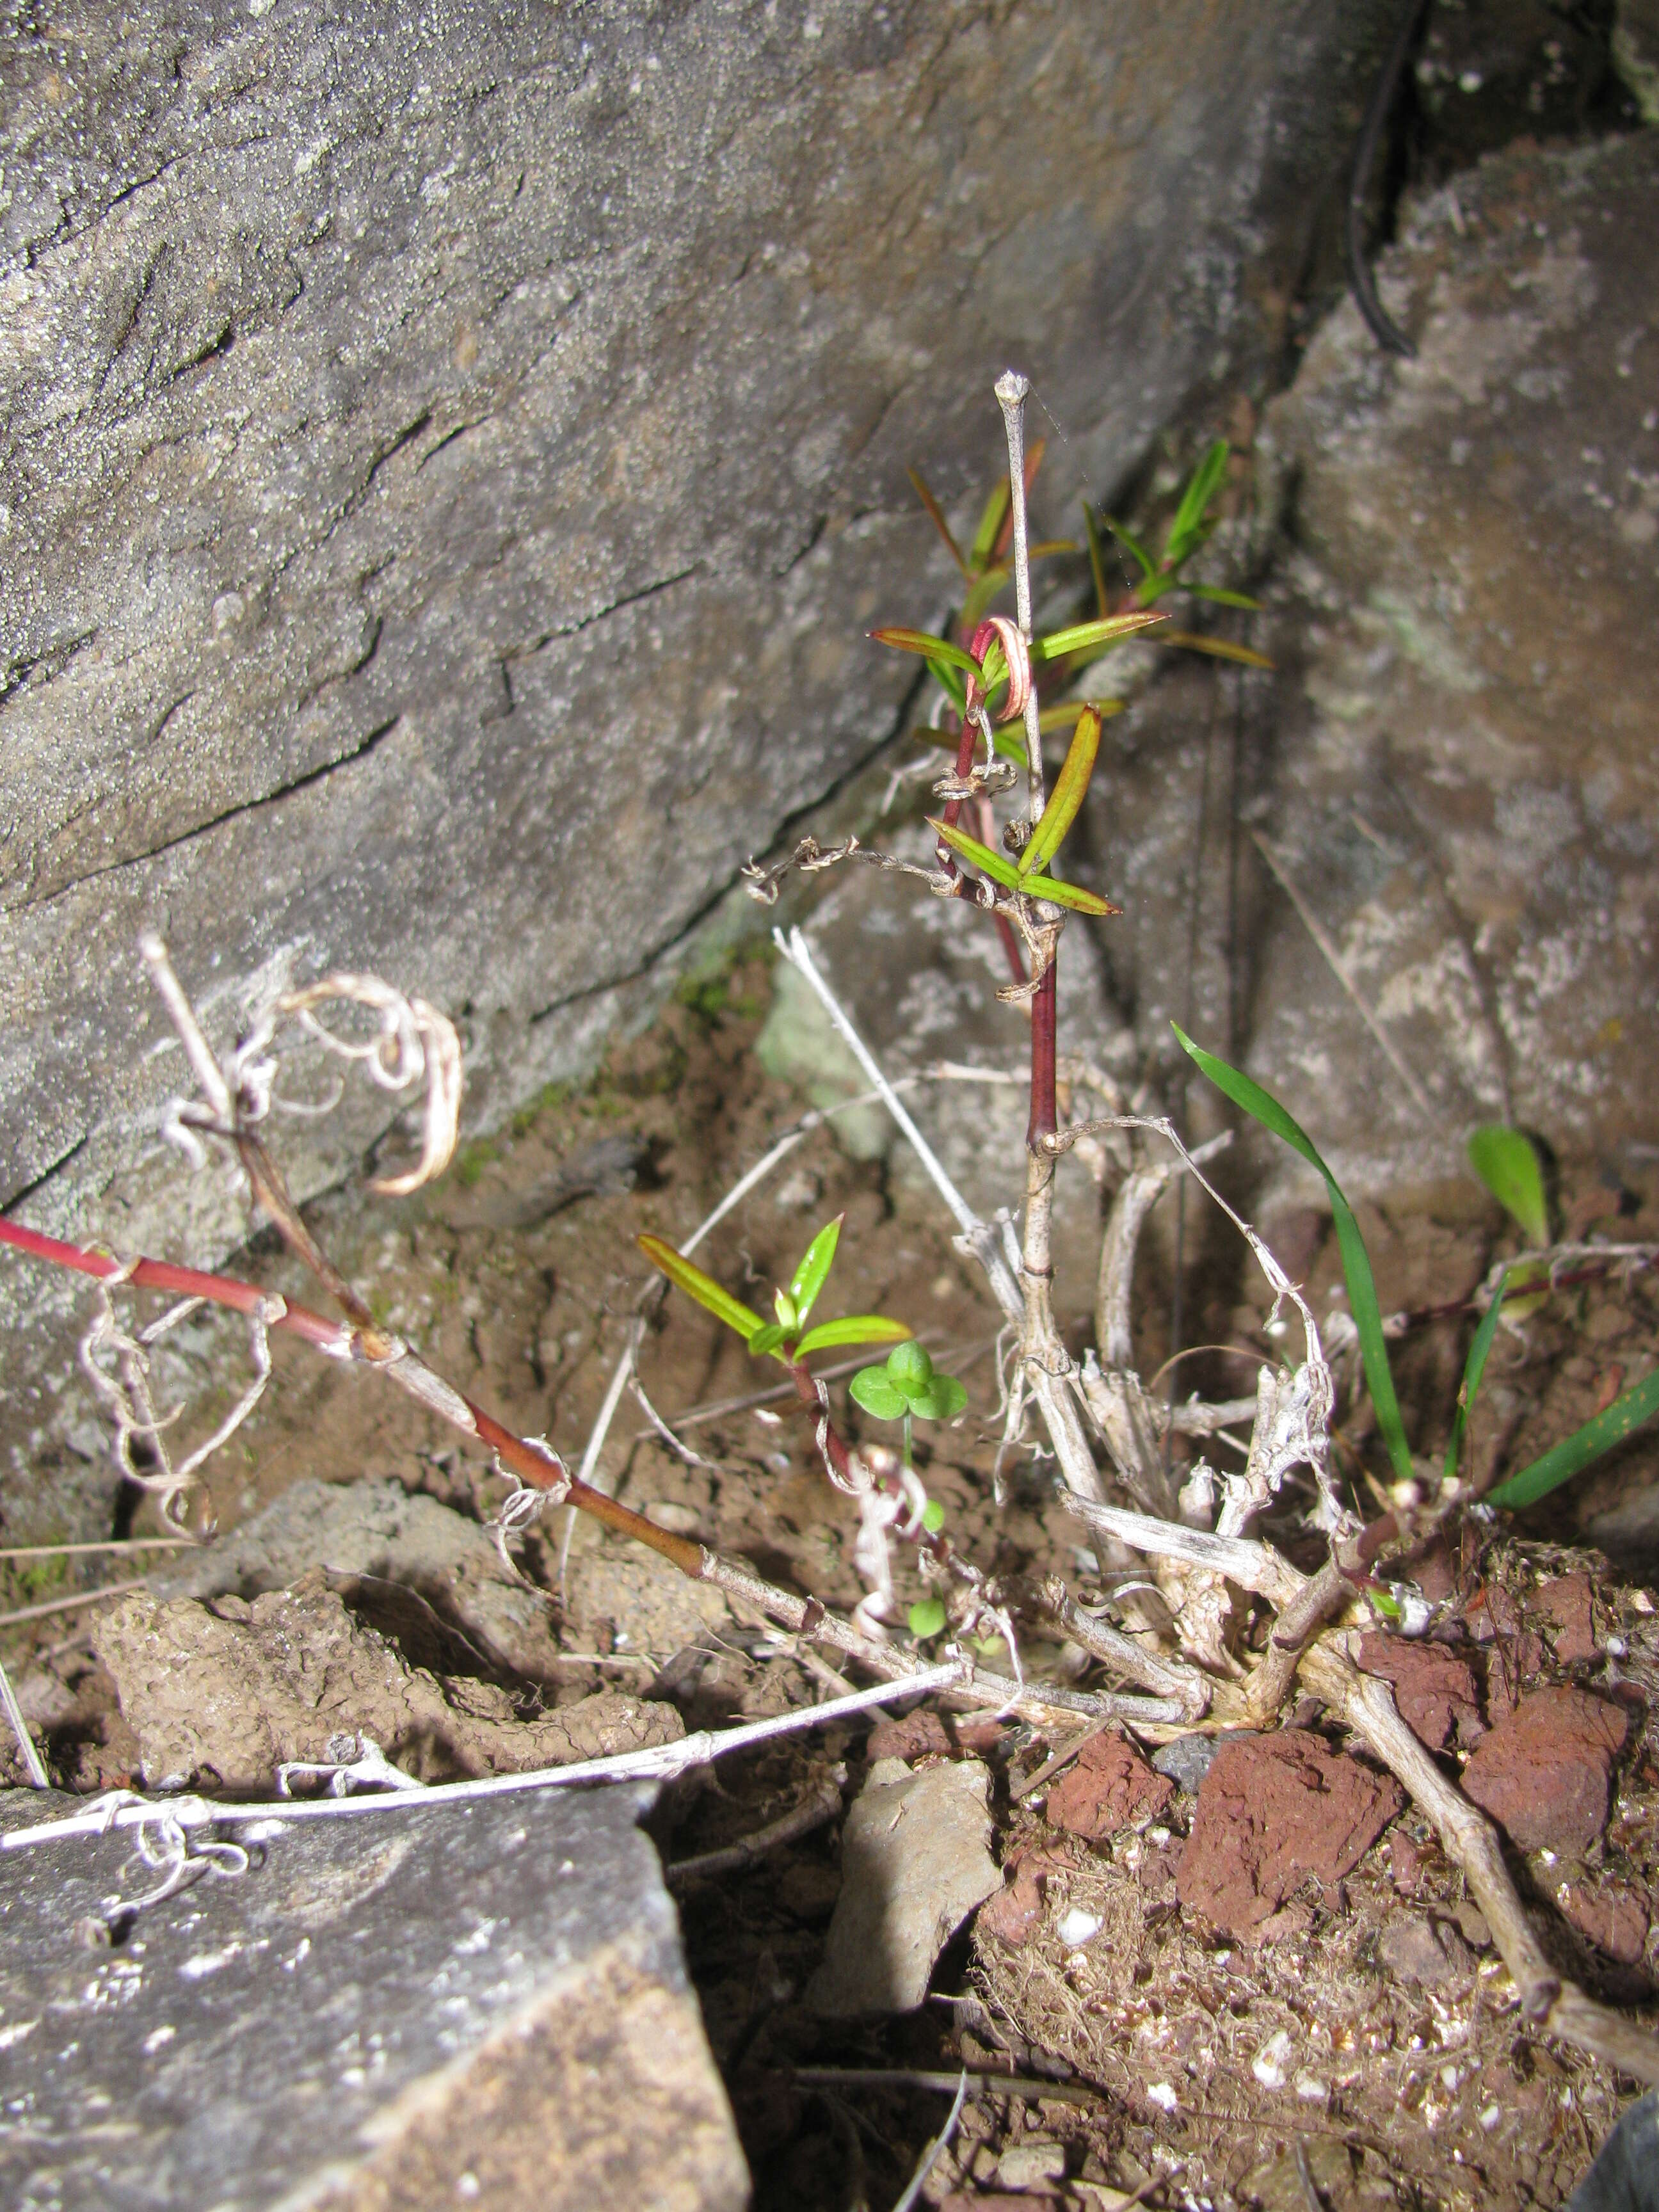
1543	1774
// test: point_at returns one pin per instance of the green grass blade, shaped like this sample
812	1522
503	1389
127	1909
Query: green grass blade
767	1339
930	648
1070	787
1507	1163
703	1288
1096	558
853	1328
1071	895
1187	532
1000	868
1143	560
981	593
1356	1262
990	527
1220	648
1085	637
936	516
810	1277
1574	1453
1474	1368
1219	596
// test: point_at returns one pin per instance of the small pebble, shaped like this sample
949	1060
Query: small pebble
1078	1927
1271	2063
1161	2095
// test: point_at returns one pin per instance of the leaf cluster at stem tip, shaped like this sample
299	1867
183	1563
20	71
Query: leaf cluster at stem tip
787	1338
905	1382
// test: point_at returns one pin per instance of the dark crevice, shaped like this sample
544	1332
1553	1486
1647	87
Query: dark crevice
25	1191
359	752
600	614
47	664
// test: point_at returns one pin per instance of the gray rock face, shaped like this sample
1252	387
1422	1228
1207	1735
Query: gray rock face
1455	770
481	2003
454	460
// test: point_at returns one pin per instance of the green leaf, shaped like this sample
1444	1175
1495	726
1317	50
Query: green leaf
852	1328
1142	558
809	1278
982	590
1064	717
936	516
1084	637
1474	1369
703	1288
1356	1262
1507	1163
933	1518
1000	868
931	648
1154	587
1219	596
1071	895
1096	558
911	1365
1067	796
940	1399
990	526
1187	532
874	1390
767	1339
784	1306
1219	649
926	1619
1574	1453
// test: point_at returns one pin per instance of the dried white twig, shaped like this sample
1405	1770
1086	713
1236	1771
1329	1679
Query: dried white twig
39	1778
935	2150
124	1809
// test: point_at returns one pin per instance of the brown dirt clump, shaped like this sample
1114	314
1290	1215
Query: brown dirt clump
1272	1811
1110	1787
1435	1691
1544	1773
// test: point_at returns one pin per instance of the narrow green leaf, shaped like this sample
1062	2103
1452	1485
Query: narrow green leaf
808	1279
1143	560
1050	549
1153	587
1474	1369
930	648
936	516
1064	717
851	1328
981	593
1000	868
990	526
1507	1163
940	1399
767	1339
1071	895
1356	1262
1574	1453
1071	787
949	681
1187	531
872	1388
1219	649
1219	596
1082	637
926	1618
1096	558
703	1288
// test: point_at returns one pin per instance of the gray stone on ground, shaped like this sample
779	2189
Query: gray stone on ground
222	1696
915	1863
455	488
414	2009
377	1530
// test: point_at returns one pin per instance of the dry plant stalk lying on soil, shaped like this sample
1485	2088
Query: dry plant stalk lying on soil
1203	1551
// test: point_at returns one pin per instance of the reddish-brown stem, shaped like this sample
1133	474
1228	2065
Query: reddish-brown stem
939	1547
1044	1120
533	1463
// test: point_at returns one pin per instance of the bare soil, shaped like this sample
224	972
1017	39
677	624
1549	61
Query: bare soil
1337	1991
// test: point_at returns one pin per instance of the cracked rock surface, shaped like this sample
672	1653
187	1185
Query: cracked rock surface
412	2010
456	489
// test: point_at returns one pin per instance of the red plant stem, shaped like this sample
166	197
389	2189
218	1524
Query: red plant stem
1044	1119
533	1463
938	1546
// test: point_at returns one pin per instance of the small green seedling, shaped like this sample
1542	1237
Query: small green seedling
786	1339
1506	1161
905	1388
